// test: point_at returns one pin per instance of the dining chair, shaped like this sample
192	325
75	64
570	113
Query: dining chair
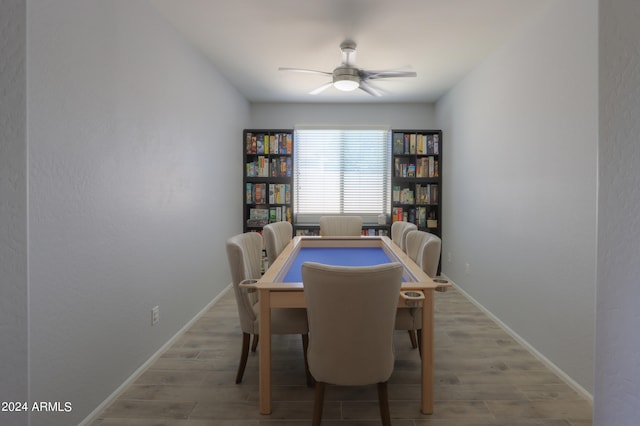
351	314
399	230
424	249
276	237
244	253
332	226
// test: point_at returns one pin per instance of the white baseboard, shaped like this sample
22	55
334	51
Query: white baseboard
100	408
554	368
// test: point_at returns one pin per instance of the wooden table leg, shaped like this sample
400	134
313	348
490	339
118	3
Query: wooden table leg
264	362
427	353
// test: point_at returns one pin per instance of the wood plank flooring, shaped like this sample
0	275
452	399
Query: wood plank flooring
483	377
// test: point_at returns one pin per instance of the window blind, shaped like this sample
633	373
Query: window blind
344	171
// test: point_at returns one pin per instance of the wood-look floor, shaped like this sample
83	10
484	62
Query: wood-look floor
482	377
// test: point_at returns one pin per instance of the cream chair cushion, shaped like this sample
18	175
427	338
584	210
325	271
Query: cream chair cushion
424	249
351	321
276	237
244	252
333	226
399	230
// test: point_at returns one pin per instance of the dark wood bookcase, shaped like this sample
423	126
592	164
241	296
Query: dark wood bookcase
267	182
416	183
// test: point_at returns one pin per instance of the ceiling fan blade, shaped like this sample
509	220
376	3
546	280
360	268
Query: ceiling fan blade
370	90
321	88
372	75
305	71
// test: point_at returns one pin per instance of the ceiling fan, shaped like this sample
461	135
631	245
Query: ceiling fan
348	77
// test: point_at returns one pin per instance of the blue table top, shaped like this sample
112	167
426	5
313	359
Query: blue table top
336	256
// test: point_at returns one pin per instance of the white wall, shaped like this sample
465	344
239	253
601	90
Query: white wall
520	184
133	138
617	387
13	209
398	116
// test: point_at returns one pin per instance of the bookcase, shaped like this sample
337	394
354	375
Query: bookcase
416	182
268	176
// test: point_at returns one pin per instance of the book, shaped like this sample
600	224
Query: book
412	143
289	144
398	143
259	193
260	214
248	143
249	193
260	144
422	217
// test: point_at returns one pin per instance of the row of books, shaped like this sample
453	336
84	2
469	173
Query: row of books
427	194
268	193
269	167
424	194
416	143
421	216
402	195
424	167
277	143
262	217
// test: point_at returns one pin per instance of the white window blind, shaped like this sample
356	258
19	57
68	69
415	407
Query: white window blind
341	171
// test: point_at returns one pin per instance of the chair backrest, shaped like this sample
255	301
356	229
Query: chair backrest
351	313
424	249
276	237
399	230
244	253
333	226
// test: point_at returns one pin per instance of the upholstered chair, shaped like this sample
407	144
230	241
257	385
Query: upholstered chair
333	226
276	237
424	249
351	323
244	253
399	231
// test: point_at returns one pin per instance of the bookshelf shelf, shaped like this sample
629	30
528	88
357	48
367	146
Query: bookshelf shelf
368	229
267	182
417	178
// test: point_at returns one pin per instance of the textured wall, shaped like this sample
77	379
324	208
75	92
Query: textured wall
617	391
13	208
133	138
520	184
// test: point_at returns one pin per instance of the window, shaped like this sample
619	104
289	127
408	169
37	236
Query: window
341	171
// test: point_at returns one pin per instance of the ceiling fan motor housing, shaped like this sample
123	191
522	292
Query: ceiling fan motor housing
347	77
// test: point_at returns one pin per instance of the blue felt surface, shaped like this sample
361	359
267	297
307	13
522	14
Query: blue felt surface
337	256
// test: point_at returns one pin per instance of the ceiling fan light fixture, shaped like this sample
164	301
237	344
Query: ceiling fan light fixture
346	85
346	79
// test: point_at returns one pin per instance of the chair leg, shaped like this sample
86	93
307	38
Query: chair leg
243	357
419	332
383	400
305	346
318	403
254	345
412	336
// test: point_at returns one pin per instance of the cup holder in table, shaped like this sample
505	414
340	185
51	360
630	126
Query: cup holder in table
412	298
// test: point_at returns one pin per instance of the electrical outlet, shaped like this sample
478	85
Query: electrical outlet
467	267
449	257
155	315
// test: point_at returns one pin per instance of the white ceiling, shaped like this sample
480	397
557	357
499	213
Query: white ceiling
441	40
